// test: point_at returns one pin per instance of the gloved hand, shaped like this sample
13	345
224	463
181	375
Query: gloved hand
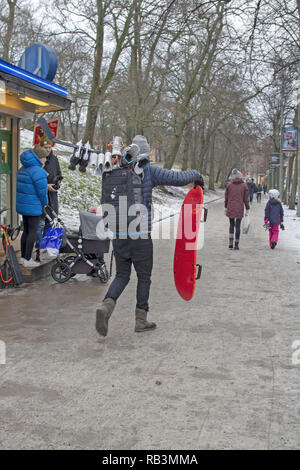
282	226
199	182
266	225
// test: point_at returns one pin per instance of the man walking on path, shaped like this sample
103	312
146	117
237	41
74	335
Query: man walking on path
259	192
135	248
252	189
236	197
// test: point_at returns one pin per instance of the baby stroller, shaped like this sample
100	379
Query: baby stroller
85	249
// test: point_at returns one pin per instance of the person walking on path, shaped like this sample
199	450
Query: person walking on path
252	189
274	217
236	197
31	198
135	247
259	192
265	188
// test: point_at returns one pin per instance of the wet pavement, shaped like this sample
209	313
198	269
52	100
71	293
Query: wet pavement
216	373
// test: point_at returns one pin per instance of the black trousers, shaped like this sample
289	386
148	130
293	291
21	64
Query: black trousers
28	238
53	203
139	253
237	224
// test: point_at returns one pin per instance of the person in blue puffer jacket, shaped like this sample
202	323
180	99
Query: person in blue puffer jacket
32	196
135	248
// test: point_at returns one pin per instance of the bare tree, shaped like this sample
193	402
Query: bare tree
7	18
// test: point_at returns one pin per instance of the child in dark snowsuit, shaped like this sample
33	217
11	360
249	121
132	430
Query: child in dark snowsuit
274	217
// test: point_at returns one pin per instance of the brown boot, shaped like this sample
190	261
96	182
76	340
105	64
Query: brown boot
141	323
103	314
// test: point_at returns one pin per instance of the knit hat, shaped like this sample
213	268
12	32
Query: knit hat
44	139
235	174
141	141
40	152
274	193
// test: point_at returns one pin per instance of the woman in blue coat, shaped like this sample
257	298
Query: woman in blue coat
32	196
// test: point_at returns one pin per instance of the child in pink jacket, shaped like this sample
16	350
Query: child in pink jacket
274	217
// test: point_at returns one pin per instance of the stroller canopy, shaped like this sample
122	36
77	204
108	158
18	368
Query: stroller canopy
92	227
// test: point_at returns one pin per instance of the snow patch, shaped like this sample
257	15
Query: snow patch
291	235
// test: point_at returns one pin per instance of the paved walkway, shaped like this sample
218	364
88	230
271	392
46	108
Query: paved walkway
217	372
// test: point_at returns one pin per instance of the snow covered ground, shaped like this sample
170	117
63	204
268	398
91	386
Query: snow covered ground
291	234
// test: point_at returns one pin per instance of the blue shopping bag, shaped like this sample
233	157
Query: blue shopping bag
51	243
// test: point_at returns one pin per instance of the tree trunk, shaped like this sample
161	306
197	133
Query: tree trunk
94	99
211	183
184	165
294	186
175	145
288	181
187	146
99	87
9	29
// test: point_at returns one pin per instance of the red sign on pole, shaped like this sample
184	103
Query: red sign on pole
39	136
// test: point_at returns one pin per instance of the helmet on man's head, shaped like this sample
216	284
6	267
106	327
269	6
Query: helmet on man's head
142	143
131	154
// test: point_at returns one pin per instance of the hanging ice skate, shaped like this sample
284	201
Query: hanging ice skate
108	165
81	153
101	158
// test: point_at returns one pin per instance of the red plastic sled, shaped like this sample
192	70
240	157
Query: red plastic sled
185	256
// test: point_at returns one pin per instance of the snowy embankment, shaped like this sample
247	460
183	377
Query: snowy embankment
291	234
81	191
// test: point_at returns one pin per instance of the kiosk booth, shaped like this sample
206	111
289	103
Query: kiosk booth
22	95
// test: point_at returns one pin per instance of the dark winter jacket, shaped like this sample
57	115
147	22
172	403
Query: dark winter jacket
52	167
31	185
157	176
154	176
251	187
274	212
236	197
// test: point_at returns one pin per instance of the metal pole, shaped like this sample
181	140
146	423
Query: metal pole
288	181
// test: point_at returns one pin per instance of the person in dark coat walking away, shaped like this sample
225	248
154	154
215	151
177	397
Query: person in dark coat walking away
252	189
236	197
274	217
259	192
31	198
134	247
